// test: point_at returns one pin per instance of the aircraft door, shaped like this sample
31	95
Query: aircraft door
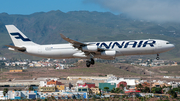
158	47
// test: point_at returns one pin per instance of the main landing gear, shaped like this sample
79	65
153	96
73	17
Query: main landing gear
90	62
157	58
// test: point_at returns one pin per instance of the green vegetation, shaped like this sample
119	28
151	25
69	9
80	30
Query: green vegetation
5	91
106	89
171	70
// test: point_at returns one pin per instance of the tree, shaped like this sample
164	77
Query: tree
5	91
156	90
122	86
106	88
146	89
113	90
31	88
128	86
173	93
139	86
117	90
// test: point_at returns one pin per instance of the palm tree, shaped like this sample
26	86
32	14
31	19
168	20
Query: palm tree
122	86
5	91
140	86
128	86
106	88
146	89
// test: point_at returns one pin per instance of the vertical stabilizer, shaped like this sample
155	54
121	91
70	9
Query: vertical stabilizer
18	38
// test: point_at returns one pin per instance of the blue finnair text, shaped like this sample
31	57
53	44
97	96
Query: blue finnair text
126	44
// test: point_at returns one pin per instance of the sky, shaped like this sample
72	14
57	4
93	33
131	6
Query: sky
27	7
153	10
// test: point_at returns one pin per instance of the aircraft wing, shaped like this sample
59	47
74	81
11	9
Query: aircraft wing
77	44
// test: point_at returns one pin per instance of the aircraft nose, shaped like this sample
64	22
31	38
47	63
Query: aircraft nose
172	46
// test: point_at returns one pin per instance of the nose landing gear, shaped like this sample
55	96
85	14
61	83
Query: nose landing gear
157	58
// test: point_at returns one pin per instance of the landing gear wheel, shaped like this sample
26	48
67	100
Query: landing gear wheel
157	57
88	63
92	61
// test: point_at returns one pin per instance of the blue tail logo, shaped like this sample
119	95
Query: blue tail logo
19	36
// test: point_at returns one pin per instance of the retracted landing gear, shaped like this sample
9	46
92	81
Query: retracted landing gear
90	62
157	57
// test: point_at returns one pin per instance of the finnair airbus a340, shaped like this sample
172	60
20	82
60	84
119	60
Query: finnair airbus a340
88	50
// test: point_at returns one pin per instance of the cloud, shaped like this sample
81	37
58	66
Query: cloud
153	10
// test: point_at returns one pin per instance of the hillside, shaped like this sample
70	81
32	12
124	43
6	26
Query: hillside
44	28
100	69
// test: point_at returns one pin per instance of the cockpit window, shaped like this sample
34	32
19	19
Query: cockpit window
167	42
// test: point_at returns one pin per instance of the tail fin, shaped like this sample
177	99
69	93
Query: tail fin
18	38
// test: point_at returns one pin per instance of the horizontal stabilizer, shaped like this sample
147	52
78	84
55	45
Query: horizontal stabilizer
22	49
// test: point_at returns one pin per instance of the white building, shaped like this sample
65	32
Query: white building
130	82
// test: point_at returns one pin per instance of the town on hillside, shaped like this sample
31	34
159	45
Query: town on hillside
84	86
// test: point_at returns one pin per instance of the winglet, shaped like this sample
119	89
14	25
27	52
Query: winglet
64	37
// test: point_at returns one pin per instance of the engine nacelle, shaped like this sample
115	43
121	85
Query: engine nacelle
108	53
91	48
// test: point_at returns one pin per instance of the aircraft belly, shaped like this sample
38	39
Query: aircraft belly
60	53
52	53
136	51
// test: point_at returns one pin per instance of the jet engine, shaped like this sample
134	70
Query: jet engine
91	48
108	53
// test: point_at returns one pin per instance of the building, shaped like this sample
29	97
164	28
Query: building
51	85
159	84
22	95
53	82
60	87
95	90
83	89
105	78
145	84
121	83
90	85
15	71
109	85
47	89
130	82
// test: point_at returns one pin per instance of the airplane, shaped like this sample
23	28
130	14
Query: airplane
86	50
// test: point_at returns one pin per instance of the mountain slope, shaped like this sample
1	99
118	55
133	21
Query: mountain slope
44	28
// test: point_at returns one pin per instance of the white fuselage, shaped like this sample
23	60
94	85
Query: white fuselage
121	48
89	50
